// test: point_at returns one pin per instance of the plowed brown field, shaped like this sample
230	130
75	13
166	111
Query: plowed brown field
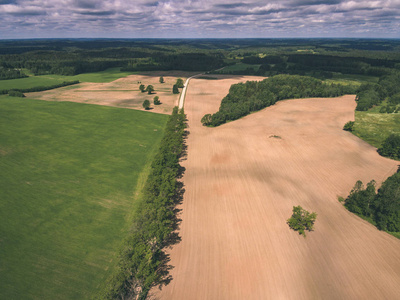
241	184
123	92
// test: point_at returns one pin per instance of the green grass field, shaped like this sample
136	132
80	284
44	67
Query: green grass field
30	82
351	79
68	174
47	80
238	67
103	76
374	127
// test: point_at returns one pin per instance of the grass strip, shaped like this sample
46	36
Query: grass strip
41	88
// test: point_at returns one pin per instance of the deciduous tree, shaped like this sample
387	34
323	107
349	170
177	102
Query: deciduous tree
146	104
150	89
302	220
179	83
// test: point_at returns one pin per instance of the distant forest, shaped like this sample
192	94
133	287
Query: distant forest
320	58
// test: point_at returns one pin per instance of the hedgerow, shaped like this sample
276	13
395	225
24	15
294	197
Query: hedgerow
41	88
143	262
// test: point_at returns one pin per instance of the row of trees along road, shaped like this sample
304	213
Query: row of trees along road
143	262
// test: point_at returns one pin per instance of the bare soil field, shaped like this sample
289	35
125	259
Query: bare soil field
123	92
242	180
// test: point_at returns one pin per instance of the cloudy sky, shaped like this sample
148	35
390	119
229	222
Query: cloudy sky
199	19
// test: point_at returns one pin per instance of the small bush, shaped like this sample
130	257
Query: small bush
301	220
382	110
349	126
156	100
206	120
390	109
16	94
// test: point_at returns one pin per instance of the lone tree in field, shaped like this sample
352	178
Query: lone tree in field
142	88
302	220
179	83
162	79
156	100
150	89
146	104
175	89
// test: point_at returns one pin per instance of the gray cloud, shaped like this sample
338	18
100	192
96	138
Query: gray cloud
86	4
2	2
202	18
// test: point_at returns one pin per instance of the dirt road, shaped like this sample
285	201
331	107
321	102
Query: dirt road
242	180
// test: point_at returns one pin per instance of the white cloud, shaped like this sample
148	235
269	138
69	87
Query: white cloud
218	18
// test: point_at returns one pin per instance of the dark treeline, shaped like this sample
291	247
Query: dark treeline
382	208
321	65
244	98
245	46
317	57
143	262
41	88
371	94
76	57
184	61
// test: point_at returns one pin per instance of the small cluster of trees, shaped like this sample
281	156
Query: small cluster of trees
391	147
149	89
244	98
143	262
146	103
381	208
177	86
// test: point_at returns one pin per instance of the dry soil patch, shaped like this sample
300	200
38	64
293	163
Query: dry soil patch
123	92
241	185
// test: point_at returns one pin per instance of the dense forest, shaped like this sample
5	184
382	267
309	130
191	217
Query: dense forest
314	57
382	208
244	98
